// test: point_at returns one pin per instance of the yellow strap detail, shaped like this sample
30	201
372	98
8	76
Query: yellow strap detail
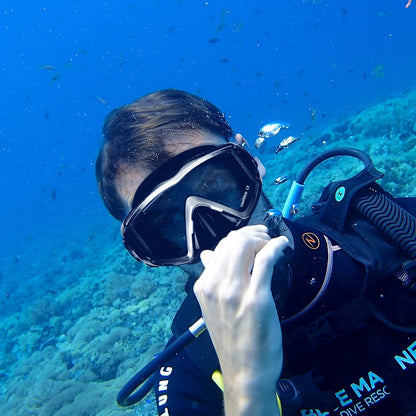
218	380
279	403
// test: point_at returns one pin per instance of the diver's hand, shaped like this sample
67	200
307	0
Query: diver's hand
240	314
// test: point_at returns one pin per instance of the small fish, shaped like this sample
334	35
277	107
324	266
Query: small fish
280	180
271	129
259	141
170	30
378	72
220	27
285	143
47	67
102	101
55	78
213	40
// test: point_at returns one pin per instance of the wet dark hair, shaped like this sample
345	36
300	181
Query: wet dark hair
135	135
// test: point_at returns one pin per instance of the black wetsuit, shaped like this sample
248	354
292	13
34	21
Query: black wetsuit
355	359
371	371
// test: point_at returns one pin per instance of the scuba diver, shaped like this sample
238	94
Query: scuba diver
308	317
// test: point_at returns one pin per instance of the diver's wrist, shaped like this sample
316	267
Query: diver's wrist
259	402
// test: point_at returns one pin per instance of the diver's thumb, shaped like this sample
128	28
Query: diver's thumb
206	256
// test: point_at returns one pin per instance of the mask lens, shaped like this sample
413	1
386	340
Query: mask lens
161	230
224	189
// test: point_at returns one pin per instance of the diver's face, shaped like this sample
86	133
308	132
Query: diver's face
128	182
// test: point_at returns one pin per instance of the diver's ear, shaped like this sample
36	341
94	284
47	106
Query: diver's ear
239	139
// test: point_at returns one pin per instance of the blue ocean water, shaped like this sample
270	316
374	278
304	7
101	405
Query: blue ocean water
66	64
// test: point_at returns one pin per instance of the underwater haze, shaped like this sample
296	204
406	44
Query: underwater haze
78	315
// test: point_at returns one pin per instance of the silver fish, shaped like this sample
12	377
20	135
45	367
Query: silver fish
285	143
271	129
259	141
280	180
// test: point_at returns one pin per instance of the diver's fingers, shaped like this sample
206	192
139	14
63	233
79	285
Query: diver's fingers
242	247
231	262
266	258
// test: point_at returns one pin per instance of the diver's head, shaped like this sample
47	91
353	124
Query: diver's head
167	170
140	136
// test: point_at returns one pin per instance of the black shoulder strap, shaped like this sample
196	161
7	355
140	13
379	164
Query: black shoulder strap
201	351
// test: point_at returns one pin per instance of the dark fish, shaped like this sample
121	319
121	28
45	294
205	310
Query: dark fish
55	78
214	40
220	27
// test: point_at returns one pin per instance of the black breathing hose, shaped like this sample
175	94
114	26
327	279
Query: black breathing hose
386	215
142	382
